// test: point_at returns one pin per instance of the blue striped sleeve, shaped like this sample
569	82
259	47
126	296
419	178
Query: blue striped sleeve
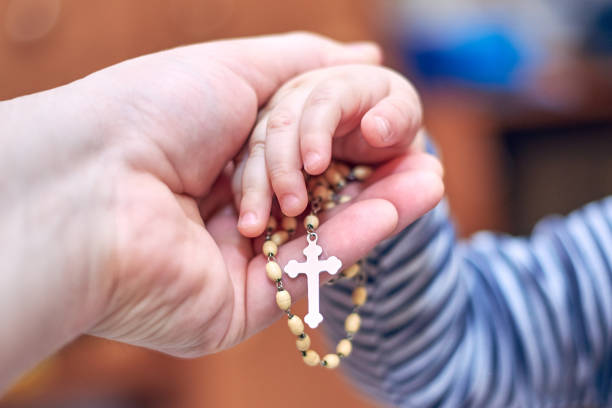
495	321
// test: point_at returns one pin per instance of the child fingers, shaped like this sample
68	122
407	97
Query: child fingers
283	158
256	194
395	120
354	148
237	181
320	118
334	108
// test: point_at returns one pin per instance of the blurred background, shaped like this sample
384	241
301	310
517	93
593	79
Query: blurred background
517	96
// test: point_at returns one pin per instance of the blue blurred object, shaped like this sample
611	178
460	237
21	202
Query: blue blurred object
483	55
522	48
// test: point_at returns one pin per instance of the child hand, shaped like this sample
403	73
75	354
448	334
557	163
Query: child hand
358	113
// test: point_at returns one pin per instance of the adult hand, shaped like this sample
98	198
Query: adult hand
113	220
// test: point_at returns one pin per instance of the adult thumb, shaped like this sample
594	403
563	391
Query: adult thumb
266	62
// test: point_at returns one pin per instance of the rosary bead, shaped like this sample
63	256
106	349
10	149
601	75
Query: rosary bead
329	205
312	358
274	271
344	347
331	361
360	295
289	224
334	177
323	193
344	199
343	169
269	248
303	343
362	172
295	325
271	226
317	181
283	299
280	237
311	220
351	271
352	323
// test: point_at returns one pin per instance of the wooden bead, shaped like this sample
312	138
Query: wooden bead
274	271
280	237
269	248
303	343
317	181
360	295
295	325
283	299
312	358
323	193
271	226
334	177
352	323
329	205
311	220
362	172
351	271
344	199
289	224
343	169
331	361
344	347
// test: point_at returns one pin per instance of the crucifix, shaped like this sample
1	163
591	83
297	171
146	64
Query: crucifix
312	268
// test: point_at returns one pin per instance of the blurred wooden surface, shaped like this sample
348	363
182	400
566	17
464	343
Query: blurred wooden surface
79	37
464	130
265	371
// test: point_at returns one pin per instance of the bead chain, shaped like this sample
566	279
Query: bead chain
323	195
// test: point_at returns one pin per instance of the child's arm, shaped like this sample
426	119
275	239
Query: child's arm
495	321
363	113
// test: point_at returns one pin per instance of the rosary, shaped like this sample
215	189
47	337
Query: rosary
323	194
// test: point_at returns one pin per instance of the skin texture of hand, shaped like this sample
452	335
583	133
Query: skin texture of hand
115	216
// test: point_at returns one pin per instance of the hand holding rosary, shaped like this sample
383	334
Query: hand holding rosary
324	193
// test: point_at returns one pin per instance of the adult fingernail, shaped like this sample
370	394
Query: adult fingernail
383	128
311	159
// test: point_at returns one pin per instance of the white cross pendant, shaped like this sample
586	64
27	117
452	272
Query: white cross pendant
312	268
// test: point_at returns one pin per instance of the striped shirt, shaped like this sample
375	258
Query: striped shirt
496	321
